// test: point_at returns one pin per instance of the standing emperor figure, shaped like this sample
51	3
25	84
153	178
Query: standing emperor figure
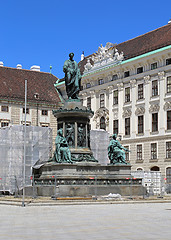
72	77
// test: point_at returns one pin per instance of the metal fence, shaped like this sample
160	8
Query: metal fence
38	150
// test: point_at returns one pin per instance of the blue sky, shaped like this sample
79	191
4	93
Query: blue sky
44	32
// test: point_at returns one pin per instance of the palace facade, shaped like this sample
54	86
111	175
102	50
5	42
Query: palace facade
128	86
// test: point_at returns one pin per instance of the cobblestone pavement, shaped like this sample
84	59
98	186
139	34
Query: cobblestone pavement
111	221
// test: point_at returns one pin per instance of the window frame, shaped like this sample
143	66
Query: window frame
168	61
3	107
44	111
168	120
88	102
102	100
6	123
155	122
126	74
100	81
140	70
139	152
154	88
27	111
114	77
153	151
153	65
168	82
168	149
127	94
115	97
127	126
140	124
116	126
140	91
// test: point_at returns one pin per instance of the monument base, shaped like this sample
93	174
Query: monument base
85	179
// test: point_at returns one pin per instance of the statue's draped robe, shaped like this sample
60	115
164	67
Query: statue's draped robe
72	78
62	152
115	151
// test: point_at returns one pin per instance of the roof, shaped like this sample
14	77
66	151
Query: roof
147	42
12	86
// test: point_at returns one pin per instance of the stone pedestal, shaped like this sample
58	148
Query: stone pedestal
85	179
74	119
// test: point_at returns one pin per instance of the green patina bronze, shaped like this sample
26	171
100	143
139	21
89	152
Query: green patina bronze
72	77
62	153
115	151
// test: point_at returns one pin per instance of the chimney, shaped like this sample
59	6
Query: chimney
35	68
1	64
19	66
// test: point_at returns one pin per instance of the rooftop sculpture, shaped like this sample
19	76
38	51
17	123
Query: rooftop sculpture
104	56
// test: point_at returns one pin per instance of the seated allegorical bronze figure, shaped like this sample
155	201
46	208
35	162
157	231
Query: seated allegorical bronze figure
116	152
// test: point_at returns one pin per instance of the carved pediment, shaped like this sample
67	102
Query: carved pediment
139	111
167	106
154	108
127	113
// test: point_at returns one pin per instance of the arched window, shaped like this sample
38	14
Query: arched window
102	123
155	168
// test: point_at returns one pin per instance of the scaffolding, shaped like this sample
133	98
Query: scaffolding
38	151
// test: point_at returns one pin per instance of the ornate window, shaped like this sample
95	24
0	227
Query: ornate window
102	123
168	120
89	102
115	126
168	149
127	94
140	91
126	74
168	84
139	70
154	88
139	152
115	97
153	65
153	150
102	102
154	122
127	126
140	124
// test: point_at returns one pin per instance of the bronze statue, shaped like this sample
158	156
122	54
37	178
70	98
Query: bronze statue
62	153
115	151
72	77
